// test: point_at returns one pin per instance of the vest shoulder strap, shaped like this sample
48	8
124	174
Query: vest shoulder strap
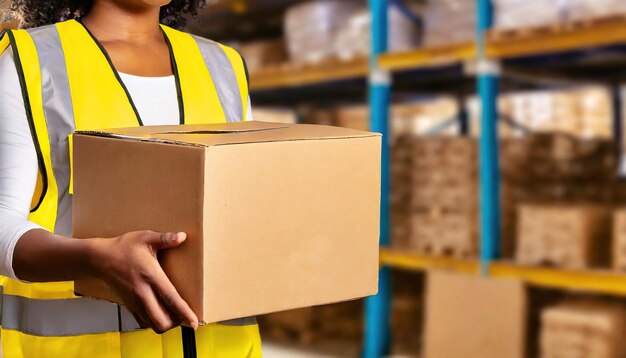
241	73
226	68
27	64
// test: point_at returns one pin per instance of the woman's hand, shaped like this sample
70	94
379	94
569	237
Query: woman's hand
129	265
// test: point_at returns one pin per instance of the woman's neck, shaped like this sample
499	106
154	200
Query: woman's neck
109	21
131	37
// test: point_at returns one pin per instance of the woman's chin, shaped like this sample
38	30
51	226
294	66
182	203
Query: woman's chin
149	3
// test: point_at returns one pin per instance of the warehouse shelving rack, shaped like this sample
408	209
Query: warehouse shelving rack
294	76
488	55
592	281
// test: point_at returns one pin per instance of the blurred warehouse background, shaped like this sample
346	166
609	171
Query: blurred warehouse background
557	277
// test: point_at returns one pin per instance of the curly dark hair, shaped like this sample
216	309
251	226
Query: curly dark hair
33	13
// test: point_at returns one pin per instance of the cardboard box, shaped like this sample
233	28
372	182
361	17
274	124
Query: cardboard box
278	216
619	239
583	328
569	235
470	316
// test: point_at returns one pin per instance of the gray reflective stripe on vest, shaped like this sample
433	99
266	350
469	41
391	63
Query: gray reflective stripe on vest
224	78
59	114
58	318
72	317
128	322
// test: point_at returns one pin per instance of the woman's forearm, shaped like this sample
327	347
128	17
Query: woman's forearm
127	263
40	256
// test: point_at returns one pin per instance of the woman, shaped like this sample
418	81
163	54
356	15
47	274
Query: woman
104	64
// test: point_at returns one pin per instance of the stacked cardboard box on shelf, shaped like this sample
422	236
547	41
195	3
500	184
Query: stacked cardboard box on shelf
401	187
472	316
434	195
571	236
355	117
536	169
590	9
527	13
558	159
449	22
307	326
311	28
444	199
511	14
324	30
552	168
619	239
433	116
583	328
407	312
263	53
584	112
344	321
275	114
353	38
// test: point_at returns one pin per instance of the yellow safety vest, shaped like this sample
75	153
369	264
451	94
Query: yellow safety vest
69	83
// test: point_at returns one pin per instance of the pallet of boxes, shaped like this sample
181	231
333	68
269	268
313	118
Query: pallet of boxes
589	326
434	188
583	327
443	199
530	18
449	22
558	196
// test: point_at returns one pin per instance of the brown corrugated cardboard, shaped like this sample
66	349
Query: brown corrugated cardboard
567	235
583	327
468	316
277	216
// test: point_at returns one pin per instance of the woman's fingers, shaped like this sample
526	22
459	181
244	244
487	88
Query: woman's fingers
166	240
175	304
139	278
160	319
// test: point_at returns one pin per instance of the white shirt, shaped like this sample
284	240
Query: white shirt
156	102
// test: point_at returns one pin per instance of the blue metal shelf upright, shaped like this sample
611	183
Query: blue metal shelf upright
378	308
488	86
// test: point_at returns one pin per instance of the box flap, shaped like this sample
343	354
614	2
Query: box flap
228	133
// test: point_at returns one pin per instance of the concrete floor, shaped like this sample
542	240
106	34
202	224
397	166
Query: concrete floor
277	351
325	350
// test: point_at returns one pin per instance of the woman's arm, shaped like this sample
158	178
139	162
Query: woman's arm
127	263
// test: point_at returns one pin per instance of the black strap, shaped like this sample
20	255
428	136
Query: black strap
245	69
189	342
29	115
